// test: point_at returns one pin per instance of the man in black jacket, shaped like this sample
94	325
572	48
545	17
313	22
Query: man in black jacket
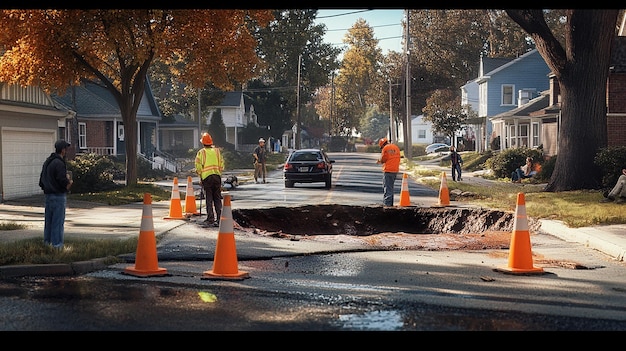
55	182
456	162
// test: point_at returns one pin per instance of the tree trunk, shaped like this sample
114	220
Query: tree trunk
130	132
582	83
582	69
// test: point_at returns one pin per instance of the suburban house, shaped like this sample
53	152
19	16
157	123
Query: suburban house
237	112
532	124
536	122
30	123
99	124
421	132
502	85
178	135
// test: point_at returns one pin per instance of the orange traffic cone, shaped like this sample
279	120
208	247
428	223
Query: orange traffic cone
225	260
404	194
146	262
190	199
520	253
176	208
444	193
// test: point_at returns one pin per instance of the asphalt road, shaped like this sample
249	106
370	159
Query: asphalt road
331	283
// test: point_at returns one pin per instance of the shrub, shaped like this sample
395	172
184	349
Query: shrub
91	173
547	168
611	161
508	160
418	150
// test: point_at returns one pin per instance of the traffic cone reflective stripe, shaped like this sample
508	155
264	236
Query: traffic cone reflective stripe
176	208
190	199
520	252
444	193
225	259
404	193
146	261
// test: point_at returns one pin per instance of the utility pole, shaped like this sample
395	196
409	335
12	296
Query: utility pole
332	104
408	141
298	141
390	114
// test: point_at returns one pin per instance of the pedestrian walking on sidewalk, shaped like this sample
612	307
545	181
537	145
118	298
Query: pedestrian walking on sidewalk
259	155
618	193
457	162
209	167
55	181
390	159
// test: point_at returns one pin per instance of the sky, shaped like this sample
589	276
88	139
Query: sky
387	25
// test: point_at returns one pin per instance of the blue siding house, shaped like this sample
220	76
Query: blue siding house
503	84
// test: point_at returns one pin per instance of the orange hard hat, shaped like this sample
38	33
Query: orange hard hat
382	142
206	139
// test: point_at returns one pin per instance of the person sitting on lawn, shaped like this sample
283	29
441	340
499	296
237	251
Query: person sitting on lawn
618	193
525	171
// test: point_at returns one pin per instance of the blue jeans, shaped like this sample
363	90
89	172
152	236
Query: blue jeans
456	172
53	229
518	174
388	181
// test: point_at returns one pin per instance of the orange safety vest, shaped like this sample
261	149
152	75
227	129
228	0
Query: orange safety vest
209	161
390	158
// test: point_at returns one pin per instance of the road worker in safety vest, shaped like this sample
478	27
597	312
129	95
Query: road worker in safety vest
390	159
209	166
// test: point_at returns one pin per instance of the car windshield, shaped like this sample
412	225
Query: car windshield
305	156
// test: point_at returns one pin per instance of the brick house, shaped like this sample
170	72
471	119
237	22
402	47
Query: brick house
616	94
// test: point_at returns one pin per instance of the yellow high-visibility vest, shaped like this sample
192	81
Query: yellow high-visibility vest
209	161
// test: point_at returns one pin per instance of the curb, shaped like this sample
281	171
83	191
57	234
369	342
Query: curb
590	237
56	269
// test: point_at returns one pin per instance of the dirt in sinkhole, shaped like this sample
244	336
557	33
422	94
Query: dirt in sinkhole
393	228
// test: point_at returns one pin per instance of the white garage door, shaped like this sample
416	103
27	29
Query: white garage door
23	154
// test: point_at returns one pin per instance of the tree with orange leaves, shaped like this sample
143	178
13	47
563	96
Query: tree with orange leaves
55	49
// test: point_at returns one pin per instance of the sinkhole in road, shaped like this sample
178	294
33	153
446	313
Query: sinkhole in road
370	220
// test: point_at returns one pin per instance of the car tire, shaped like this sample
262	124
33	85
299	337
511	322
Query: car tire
289	184
328	182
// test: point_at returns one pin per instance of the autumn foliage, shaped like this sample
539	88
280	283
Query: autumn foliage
54	49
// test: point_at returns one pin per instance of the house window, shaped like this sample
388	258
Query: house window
421	133
523	135
61	133
512	136
507	94
535	134
82	135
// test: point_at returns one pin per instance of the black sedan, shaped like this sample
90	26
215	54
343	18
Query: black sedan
308	166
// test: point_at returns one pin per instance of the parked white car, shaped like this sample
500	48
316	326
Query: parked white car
437	148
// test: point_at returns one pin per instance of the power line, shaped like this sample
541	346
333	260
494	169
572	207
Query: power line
382	25
343	14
